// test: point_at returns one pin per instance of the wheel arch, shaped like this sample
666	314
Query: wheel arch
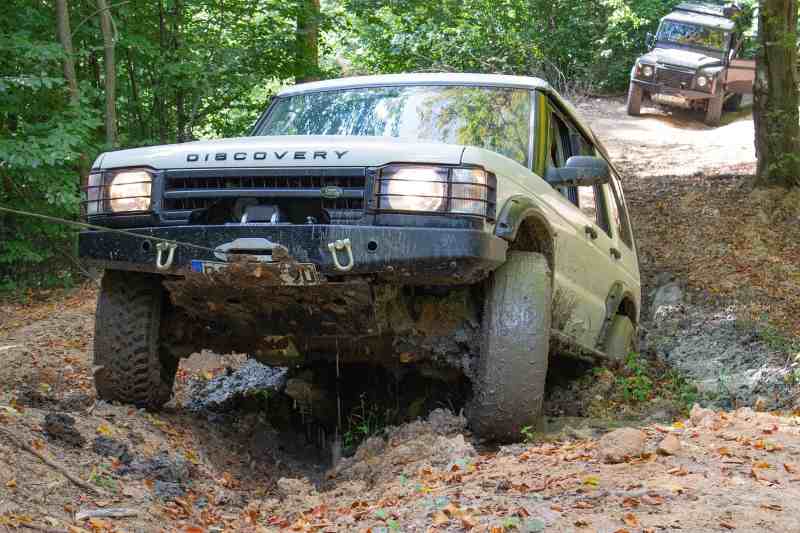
523	224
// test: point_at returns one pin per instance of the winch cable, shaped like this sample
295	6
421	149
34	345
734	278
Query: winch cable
84	225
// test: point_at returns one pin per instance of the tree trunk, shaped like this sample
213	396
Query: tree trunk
180	92
110	71
776	116
159	97
65	37
307	52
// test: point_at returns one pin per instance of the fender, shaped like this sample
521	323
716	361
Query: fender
515	211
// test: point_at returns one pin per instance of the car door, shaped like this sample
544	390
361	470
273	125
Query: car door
579	306
741	72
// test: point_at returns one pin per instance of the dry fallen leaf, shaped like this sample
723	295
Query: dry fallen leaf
630	520
771	506
11	483
789	467
440	519
727	525
655	499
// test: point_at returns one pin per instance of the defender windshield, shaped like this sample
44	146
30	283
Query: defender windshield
494	118
693	35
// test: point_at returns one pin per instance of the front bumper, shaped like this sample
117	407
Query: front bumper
410	254
659	88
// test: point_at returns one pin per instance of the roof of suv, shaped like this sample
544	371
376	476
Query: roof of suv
712	21
447	78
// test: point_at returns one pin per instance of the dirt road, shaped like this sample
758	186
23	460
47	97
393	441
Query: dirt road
670	141
194	471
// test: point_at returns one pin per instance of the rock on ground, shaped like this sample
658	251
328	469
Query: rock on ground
621	444
670	445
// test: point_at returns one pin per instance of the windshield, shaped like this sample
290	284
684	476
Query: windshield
494	118
692	35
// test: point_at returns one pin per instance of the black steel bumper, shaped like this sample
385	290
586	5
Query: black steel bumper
415	255
659	88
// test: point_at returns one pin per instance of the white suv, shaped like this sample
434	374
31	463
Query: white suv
444	221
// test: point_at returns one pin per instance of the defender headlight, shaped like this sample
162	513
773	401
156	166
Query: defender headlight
434	189
129	190
702	82
647	71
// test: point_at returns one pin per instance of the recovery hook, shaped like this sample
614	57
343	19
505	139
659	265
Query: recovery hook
339	245
160	249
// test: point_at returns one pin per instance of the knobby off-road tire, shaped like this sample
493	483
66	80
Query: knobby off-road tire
129	365
635	97
714	111
509	384
621	339
733	104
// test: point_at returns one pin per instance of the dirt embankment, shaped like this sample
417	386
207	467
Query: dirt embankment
715	258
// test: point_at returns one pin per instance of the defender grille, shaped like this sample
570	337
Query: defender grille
677	79
339	190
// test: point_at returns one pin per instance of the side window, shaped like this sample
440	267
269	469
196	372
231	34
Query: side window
591	200
559	152
619	214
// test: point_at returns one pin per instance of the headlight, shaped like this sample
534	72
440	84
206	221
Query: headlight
647	71
130	191
433	189
410	188
122	191
702	82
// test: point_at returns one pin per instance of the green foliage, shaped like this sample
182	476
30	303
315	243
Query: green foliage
572	44
364	421
636	385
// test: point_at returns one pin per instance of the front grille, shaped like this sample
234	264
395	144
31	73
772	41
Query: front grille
189	190
671	77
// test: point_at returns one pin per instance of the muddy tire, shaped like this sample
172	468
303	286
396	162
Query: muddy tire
129	366
733	104
621	339
509	381
635	97
714	111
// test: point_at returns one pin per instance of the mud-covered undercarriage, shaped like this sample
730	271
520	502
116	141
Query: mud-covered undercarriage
435	328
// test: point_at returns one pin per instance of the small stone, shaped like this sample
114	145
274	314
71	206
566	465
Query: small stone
670	445
700	414
761	404
167	490
61	427
621	444
295	487
109	447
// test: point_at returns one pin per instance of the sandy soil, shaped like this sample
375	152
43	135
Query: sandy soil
667	141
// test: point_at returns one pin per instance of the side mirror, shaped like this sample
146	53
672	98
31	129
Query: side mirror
580	171
650	40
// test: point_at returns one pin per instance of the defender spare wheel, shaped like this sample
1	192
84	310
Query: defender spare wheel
510	378
621	339
129	366
635	96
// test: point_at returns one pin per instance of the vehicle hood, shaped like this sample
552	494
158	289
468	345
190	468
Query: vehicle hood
289	151
681	58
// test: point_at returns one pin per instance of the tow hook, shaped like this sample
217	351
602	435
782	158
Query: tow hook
160	249
338	246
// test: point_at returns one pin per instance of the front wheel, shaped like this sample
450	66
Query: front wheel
714	111
635	97
130	365
510	379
